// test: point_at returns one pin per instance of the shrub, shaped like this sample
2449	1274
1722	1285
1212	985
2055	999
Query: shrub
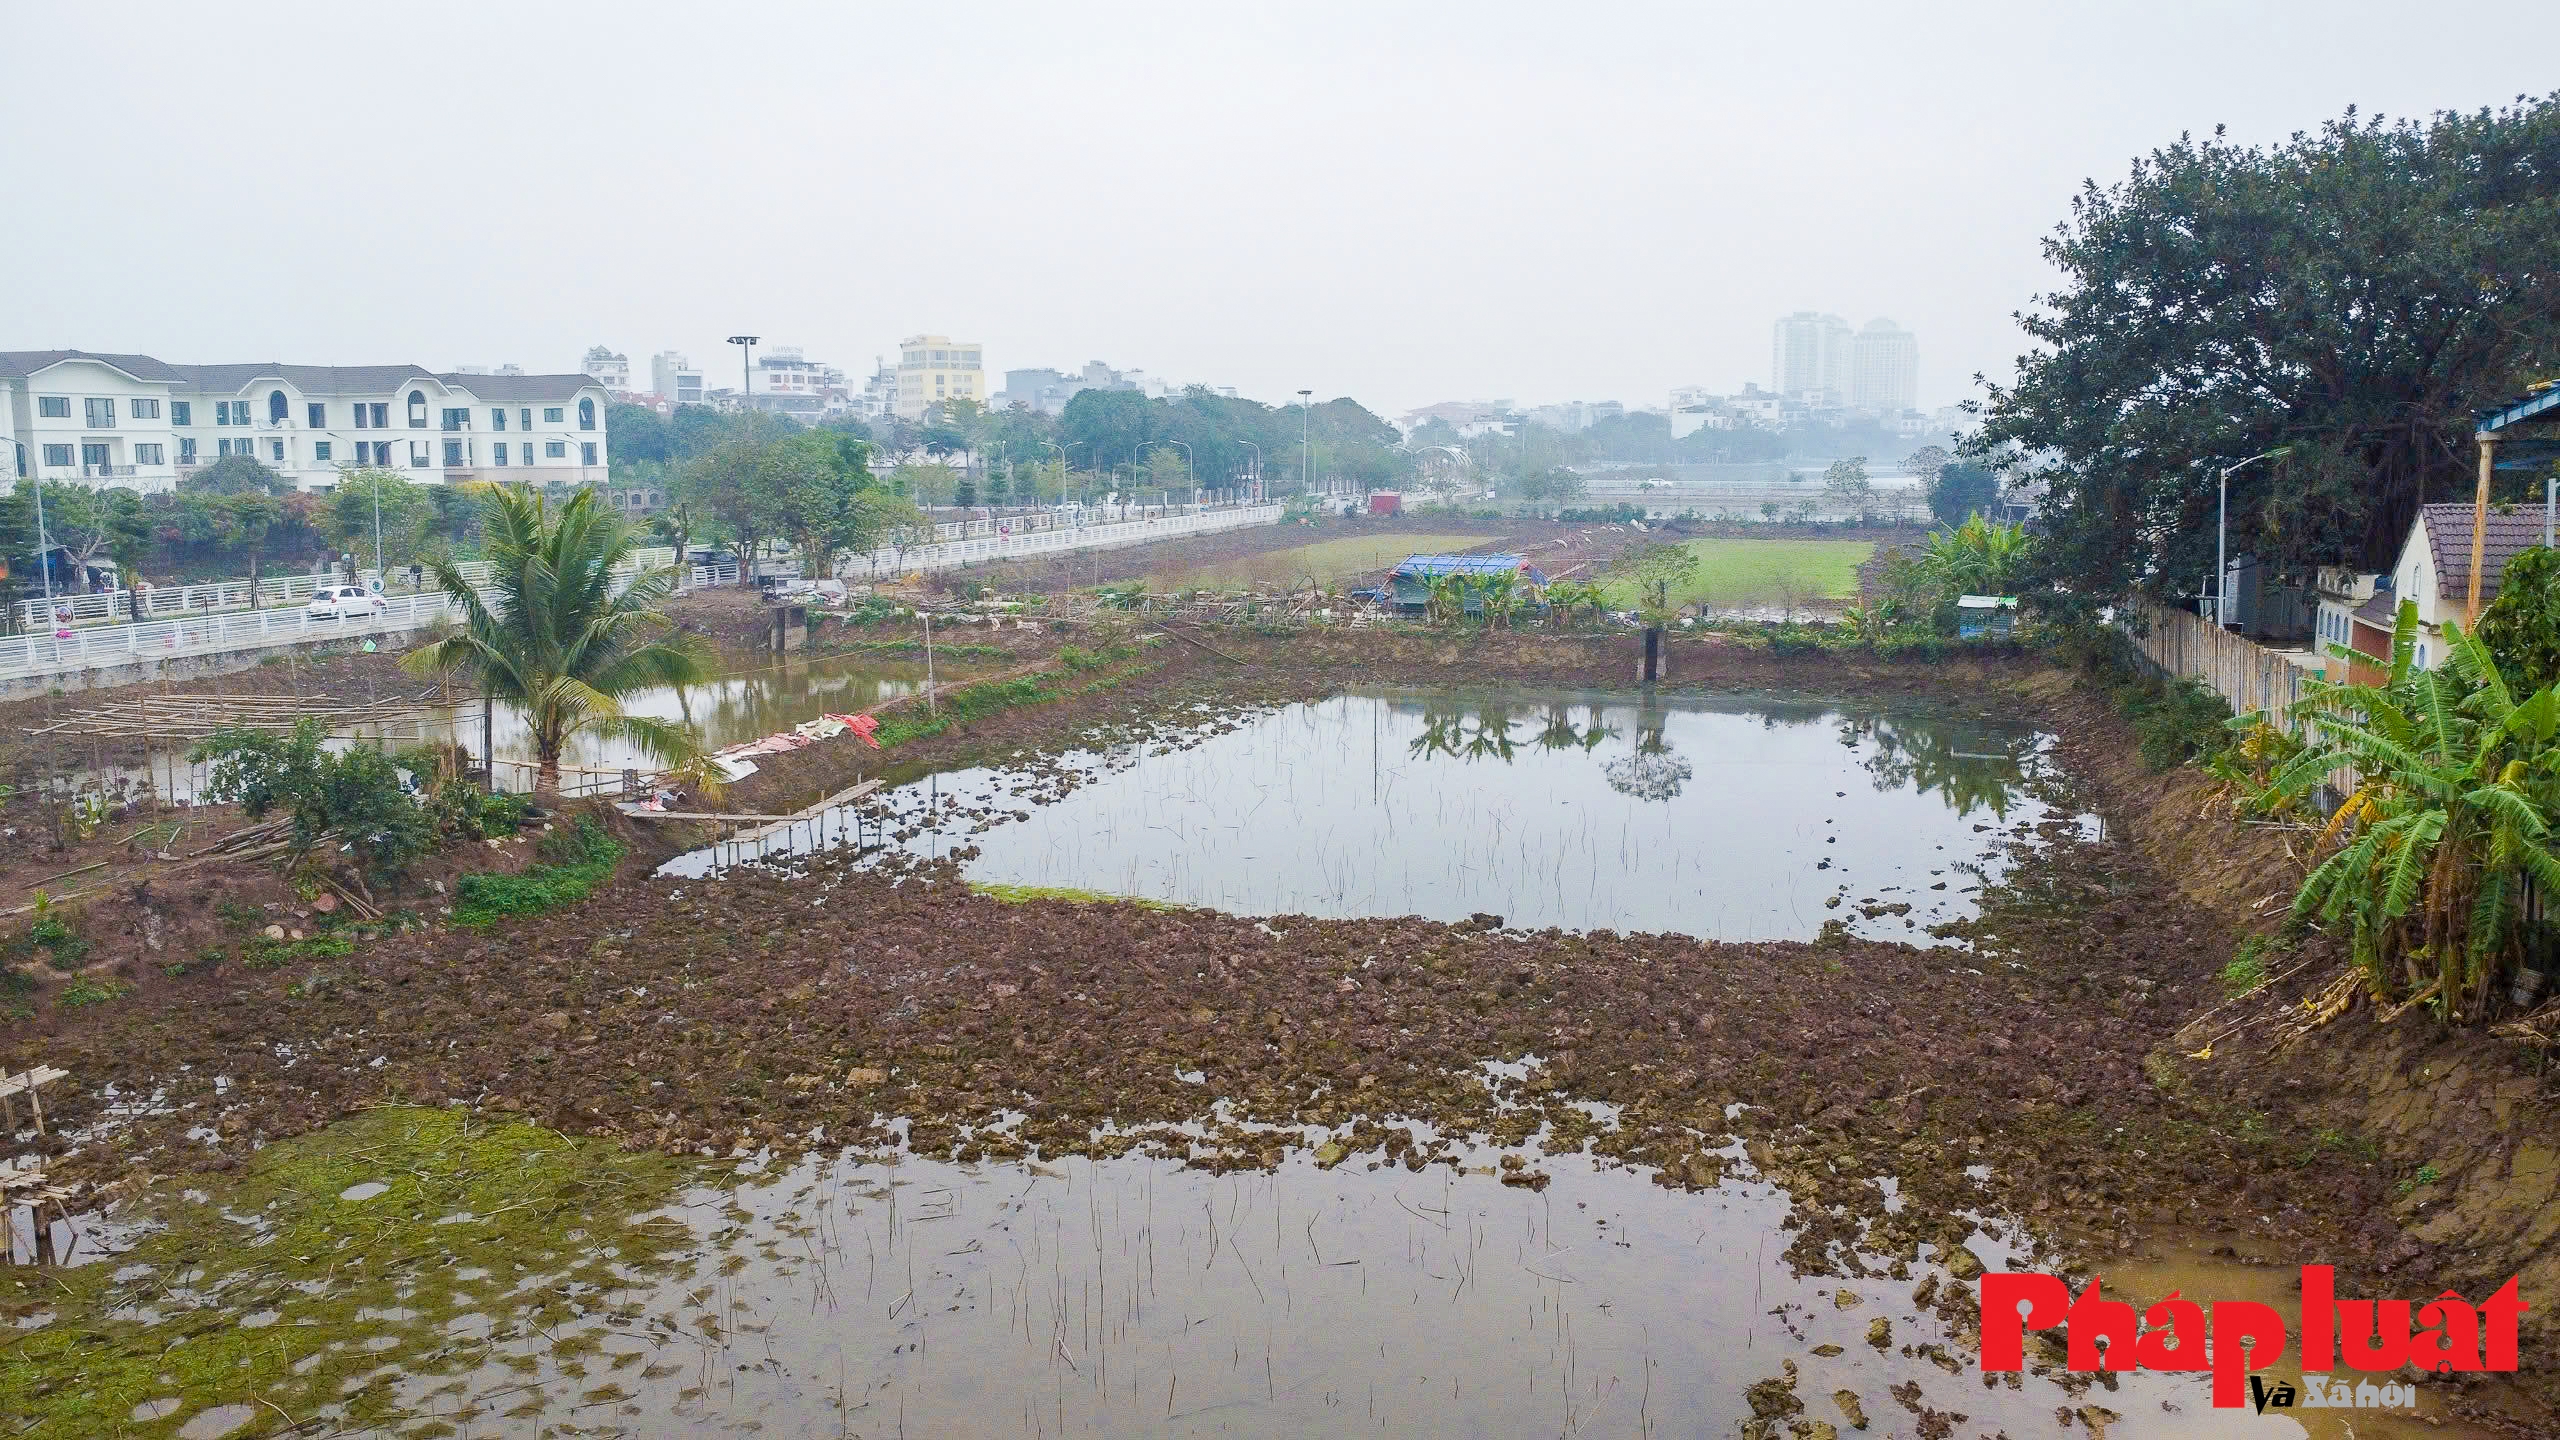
355	793
581	859
1076	657
2248	968
2176	723
80	993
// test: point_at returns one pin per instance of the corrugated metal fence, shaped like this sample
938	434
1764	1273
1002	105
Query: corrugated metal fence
2251	677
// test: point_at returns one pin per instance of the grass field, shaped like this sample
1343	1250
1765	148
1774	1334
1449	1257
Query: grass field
1327	561
1739	574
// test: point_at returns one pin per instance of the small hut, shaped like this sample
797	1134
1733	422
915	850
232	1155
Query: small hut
1978	616
1410	586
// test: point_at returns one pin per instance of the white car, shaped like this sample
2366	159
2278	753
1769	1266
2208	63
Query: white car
344	602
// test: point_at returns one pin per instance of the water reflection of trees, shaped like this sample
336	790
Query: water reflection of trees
1652	771
1930	759
1486	730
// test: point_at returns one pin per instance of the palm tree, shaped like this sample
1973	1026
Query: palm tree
552	638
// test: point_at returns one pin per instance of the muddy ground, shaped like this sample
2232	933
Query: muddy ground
759	1010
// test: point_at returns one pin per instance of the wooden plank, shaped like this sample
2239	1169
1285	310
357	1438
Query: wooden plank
841	797
703	815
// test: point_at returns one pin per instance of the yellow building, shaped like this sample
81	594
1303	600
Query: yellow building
936	368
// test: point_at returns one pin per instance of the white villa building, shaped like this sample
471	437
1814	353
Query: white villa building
141	423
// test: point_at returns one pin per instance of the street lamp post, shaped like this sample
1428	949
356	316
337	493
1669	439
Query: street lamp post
1188	463
746	376
2222	538
1306	458
44	550
1257	467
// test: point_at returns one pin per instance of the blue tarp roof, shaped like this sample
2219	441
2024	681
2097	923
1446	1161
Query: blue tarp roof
1426	566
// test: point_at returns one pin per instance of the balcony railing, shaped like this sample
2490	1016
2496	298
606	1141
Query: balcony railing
106	472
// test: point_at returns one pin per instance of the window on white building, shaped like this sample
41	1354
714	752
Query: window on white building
181	413
277	407
453	452
57	454
587	453
418	455
320	449
381	415
53	407
319	412
586	414
526	415
100	413
418	414
150	455
145	409
555	449
275	450
497	417
551	414
186	449
500	453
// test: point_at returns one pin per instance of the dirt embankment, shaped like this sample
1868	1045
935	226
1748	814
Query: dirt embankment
755	1009
2450	1134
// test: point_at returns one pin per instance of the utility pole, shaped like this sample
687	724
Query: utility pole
2222	536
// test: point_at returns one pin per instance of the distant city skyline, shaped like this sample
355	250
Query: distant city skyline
1391	203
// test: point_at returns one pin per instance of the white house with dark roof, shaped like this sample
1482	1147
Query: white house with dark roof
136	421
2434	570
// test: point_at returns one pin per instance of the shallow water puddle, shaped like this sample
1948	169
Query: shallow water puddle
1722	817
1135	1296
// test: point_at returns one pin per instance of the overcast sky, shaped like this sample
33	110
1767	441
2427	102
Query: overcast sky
1401	203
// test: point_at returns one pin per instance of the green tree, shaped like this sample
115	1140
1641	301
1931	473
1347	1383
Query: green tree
1960	489
352	794
815	481
553	639
2354	292
1848	490
1114	426
239	475
731	485
2522	626
1657	572
679	524
408	517
640	435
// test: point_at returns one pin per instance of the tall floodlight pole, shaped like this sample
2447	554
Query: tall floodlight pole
1306	458
746	376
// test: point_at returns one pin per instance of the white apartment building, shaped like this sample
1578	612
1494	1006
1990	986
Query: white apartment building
135	421
675	379
936	368
1809	351
612	370
789	383
1884	369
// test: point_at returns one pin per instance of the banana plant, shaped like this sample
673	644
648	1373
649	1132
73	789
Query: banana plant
2455	787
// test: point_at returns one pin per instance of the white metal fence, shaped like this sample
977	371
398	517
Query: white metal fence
180	601
99	647
50	648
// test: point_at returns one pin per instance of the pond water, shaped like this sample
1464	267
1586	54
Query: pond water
1726	817
745	706
1134	1296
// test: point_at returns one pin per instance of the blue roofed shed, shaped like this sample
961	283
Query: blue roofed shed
1411	583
